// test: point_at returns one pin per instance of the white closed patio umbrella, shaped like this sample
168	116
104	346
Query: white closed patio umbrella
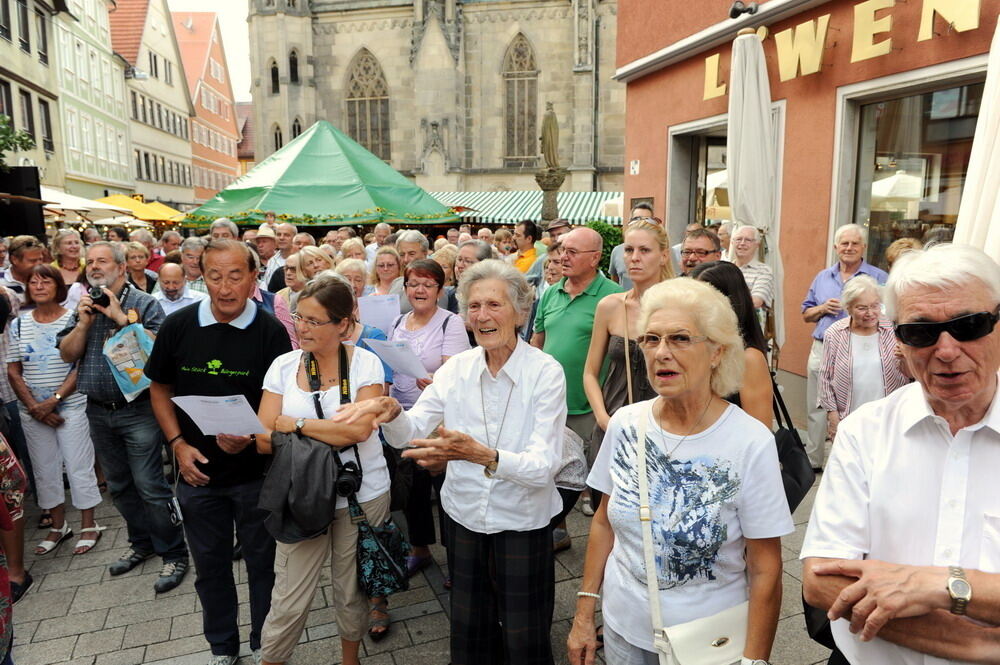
77	205
979	214
751	164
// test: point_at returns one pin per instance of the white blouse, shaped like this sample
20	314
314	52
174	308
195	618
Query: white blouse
521	412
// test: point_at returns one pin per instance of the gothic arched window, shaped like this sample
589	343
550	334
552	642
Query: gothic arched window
275	86
368	104
278	139
296	128
293	67
520	100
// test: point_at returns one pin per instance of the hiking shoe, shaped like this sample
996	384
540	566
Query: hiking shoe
561	540
171	575
127	561
586	507
222	660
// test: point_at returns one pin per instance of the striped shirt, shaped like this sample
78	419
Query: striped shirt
760	281
33	344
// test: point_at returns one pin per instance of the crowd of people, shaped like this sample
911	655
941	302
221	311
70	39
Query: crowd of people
644	394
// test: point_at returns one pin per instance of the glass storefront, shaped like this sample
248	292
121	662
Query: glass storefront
913	155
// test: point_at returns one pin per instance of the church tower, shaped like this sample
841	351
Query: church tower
281	64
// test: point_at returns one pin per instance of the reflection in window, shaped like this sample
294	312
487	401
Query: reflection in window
520	80
913	155
368	105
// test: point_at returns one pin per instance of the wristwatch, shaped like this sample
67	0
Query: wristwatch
299	424
58	397
959	589
491	468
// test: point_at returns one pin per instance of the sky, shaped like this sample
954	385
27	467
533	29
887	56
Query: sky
235	38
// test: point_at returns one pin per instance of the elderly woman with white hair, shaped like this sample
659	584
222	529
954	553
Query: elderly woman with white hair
860	358
501	407
689	529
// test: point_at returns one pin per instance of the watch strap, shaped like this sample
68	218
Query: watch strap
959	604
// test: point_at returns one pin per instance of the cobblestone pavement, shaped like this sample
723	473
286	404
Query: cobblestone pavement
76	613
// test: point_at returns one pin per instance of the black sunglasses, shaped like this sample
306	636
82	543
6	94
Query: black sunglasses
963	328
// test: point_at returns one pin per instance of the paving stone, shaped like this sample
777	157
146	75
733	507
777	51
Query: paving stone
397	639
113	592
174	648
428	628
416	610
101	641
25	629
427	653
44	653
41	567
43	605
71	624
320	616
378	659
71	578
322	631
415	595
187	625
791	596
320	652
147	632
124	657
159	608
793	646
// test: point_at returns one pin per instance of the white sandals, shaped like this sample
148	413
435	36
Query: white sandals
47	546
89	542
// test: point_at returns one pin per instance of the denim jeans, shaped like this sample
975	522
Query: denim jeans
129	446
209	515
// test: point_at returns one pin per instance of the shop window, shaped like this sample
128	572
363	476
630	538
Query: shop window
275	85
368	105
913	154
520	100
293	67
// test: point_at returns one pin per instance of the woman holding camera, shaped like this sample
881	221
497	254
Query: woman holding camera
323	318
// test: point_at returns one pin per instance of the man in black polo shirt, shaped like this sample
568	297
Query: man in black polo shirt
220	346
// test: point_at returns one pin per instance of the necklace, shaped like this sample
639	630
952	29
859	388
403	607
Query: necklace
693	427
486	429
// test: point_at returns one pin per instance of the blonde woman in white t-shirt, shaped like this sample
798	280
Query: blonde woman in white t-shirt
718	507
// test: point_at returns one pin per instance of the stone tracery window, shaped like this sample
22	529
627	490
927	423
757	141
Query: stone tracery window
368	104
520	100
296	128
293	67
275	86
278	138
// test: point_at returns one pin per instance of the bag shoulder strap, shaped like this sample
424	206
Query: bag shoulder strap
444	324
646	520
780	410
628	353
395	324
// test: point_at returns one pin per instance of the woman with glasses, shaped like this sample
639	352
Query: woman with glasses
717	507
861	362
434	334
299	269
385	270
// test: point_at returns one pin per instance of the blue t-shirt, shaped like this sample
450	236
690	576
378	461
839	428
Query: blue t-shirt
371	332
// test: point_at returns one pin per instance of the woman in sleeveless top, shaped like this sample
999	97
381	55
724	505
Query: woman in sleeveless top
647	260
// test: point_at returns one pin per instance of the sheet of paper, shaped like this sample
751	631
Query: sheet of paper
231	414
379	311
400	357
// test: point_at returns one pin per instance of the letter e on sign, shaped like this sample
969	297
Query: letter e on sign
866	26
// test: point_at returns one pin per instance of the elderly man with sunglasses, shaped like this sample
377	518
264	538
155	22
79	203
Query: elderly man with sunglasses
903	546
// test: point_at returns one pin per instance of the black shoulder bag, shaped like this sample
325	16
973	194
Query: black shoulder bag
381	550
796	470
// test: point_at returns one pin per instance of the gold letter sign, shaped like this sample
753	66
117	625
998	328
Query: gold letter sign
961	14
713	88
866	26
801	46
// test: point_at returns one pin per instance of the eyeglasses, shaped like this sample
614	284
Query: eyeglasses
421	285
864	309
675	342
574	253
312	323
963	328
700	253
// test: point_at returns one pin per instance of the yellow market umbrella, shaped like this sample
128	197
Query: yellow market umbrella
139	210
175	215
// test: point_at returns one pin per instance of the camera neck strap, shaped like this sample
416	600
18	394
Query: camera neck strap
316	384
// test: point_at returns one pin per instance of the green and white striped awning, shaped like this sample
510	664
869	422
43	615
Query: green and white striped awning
514	206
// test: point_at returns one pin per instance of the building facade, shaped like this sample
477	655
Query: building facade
158	101
245	148
449	92
874	109
93	114
214	130
29	85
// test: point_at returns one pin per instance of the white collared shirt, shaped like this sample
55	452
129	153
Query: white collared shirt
187	297
206	318
275	263
900	488
521	495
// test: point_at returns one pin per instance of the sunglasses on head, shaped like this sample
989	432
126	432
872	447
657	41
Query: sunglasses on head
963	328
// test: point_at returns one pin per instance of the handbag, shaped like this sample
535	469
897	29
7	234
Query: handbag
796	469
381	557
715	640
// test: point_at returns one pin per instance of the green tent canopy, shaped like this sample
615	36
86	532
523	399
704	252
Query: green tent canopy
323	178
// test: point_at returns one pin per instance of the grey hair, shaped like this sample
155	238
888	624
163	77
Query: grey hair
729	226
193	242
351	264
117	250
856	287
383	225
170	234
756	233
519	292
411	235
861	231
142	235
290	225
331	274
945	267
484	250
225	222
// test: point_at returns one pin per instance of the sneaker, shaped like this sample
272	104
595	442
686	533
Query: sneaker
257	656
221	660
171	575
561	540
586	508
127	561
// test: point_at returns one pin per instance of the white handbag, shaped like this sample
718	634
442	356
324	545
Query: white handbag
715	640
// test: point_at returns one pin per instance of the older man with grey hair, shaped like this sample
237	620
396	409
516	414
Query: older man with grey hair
223	229
903	545
822	307
745	242
382	231
412	246
169	241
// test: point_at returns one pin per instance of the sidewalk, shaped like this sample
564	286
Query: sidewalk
77	614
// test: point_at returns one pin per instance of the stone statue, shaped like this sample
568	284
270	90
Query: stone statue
550	137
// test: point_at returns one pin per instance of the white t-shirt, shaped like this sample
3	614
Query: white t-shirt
366	370
717	488
33	344
867	384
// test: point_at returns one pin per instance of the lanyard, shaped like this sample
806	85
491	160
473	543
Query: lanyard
315	384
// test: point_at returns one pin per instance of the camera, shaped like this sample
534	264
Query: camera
98	296
174	509
348	480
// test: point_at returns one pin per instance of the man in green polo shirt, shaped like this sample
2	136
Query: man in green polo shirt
565	319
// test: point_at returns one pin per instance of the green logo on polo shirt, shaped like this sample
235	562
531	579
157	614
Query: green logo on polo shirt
214	366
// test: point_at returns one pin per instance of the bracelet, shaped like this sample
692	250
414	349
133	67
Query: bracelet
171	441
587	594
